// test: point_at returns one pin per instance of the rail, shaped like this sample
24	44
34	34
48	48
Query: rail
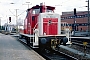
55	55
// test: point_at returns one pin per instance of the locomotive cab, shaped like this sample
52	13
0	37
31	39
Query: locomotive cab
42	28
32	16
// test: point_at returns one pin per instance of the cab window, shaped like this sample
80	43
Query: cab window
49	10
36	11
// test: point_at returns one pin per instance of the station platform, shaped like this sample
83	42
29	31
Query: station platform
80	37
75	52
12	49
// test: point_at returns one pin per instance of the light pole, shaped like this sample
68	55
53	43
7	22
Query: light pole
88	17
17	20
28	3
74	24
0	23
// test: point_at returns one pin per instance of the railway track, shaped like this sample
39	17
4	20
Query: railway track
61	53
81	43
57	55
52	55
82	46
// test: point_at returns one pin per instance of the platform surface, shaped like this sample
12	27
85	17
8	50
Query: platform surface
11	49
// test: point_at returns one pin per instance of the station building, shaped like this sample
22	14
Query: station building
80	20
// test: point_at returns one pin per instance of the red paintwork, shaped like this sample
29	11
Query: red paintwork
25	26
52	28
30	23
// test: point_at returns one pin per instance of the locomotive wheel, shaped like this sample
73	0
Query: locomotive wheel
43	40
65	40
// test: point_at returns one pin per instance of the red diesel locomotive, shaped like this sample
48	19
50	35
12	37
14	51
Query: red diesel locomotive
42	28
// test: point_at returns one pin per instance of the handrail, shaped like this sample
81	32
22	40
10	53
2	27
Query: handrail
35	26
33	31
64	24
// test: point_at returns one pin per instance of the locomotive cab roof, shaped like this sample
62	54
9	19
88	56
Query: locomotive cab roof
48	7
42	7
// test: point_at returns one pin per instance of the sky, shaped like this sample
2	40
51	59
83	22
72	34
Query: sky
7	9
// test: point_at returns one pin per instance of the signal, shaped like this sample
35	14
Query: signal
74	11
9	19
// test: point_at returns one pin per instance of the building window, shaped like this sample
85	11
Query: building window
71	17
62	18
86	15
77	16
36	11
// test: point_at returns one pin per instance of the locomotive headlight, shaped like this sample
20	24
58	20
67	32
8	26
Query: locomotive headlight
65	40
49	22
43	40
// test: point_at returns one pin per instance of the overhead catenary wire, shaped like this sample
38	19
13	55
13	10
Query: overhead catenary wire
11	12
72	5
